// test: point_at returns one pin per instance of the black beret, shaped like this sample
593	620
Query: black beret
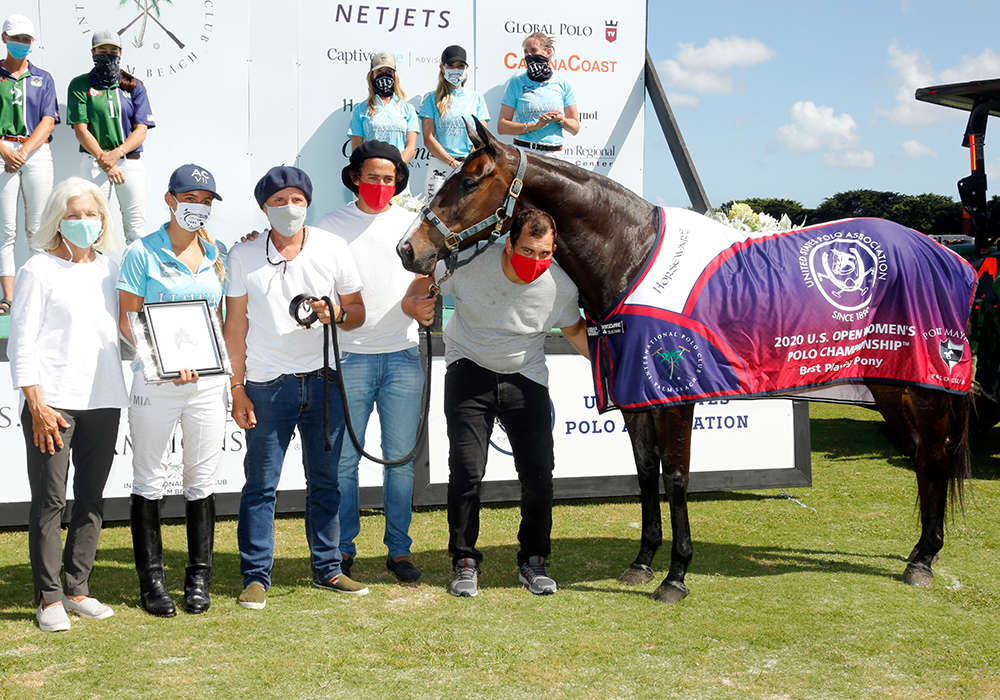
278	178
375	149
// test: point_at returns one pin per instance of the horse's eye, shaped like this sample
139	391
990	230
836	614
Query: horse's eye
469	184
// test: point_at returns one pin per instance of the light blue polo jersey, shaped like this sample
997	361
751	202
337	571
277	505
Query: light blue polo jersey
531	100
389	123
151	270
449	130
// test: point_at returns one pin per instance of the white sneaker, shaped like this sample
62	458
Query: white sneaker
88	607
52	618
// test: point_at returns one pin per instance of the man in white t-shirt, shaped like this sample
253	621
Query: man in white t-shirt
380	361
278	376
506	301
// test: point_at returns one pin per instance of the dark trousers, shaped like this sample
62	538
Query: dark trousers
90	438
474	398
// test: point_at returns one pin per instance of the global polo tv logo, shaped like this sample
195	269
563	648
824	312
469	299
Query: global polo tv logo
673	362
159	39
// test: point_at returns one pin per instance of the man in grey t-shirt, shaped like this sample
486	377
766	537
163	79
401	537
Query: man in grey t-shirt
506	301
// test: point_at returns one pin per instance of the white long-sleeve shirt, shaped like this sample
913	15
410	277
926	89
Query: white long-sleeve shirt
64	332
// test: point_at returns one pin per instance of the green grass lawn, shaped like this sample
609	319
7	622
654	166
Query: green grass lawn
785	602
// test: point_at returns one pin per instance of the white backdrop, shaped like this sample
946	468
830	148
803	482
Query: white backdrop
240	86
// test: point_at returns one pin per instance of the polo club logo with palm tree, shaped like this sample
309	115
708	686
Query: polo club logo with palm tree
149	10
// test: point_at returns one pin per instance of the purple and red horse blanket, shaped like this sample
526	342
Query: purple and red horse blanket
811	313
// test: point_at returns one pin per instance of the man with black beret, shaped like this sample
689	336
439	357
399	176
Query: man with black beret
278	374
380	360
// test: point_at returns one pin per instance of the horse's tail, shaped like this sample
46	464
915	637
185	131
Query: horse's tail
959	459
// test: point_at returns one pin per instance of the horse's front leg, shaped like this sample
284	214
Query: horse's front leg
673	427
642	432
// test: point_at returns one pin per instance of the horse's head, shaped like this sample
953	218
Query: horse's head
471	195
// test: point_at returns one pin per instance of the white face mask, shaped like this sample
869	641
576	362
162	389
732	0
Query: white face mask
191	216
287	220
455	76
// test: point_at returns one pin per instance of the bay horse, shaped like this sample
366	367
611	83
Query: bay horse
605	233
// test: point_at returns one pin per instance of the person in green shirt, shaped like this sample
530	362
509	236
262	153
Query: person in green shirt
28	114
110	115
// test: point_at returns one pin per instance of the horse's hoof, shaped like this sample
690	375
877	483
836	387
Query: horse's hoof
636	575
670	592
918	575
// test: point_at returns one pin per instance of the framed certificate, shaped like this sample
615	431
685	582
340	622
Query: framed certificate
175	335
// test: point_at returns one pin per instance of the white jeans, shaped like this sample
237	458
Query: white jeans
131	193
34	181
154	410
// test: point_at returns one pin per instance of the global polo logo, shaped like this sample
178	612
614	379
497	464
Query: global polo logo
845	266
673	362
159	39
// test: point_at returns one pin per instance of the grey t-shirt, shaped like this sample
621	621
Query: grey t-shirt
501	325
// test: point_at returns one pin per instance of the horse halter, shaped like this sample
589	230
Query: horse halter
453	240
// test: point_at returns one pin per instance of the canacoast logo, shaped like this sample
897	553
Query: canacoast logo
159	38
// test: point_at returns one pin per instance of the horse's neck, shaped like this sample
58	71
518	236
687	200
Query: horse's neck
604	231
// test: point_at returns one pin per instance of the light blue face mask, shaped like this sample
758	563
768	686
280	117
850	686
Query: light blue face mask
80	232
18	50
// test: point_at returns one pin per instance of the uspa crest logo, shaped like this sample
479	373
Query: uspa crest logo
158	39
845	266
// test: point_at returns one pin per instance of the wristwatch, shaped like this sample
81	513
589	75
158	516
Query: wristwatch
342	317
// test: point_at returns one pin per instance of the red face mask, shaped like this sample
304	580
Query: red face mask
376	196
529	269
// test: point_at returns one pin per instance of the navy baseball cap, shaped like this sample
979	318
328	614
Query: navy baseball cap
278	178
191	177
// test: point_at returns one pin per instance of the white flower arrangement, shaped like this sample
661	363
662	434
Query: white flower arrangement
410	201
742	218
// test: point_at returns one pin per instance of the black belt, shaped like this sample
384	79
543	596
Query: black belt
536	146
133	155
321	372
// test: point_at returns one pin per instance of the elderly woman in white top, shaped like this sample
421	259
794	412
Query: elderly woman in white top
63	352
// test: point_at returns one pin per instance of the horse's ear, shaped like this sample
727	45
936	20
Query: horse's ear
477	142
489	141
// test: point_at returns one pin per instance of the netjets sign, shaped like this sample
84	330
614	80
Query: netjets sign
158	39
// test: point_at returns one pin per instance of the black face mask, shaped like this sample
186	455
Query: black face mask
107	69
384	85
538	67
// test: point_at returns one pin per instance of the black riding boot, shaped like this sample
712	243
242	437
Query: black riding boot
148	548
201	541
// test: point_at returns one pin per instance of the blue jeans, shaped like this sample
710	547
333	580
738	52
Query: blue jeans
281	405
393	381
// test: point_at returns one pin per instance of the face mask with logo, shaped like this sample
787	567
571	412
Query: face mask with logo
376	196
191	216
80	232
107	69
529	269
538	67
455	76
287	220
18	50
384	85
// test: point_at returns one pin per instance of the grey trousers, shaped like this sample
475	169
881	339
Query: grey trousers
90	438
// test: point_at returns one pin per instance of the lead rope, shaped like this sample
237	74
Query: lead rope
425	398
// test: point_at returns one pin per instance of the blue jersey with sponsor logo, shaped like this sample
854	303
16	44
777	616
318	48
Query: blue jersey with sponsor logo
151	270
531	100
449	129
390	122
25	100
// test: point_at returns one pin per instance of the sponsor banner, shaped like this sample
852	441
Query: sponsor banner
847	302
239	87
600	51
726	435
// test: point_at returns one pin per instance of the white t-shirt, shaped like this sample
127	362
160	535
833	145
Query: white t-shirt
276	344
501	325
372	239
64	332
